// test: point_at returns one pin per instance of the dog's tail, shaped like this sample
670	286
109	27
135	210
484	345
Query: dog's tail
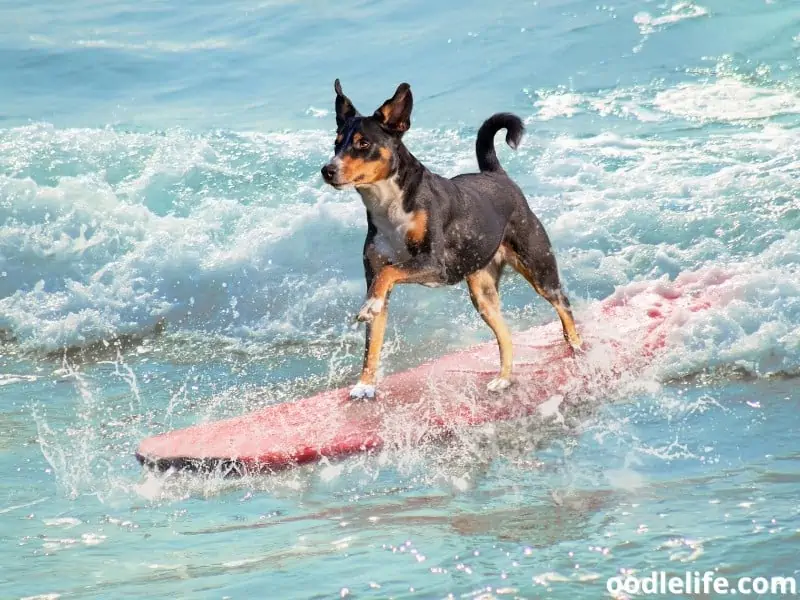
484	146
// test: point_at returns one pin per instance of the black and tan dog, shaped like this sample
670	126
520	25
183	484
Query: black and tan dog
427	229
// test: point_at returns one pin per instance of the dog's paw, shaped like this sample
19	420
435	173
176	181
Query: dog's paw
576	344
362	391
498	384
371	309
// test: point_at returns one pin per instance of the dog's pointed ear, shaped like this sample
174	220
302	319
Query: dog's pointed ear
344	108
395	113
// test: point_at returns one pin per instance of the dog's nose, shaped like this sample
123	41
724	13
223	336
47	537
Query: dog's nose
328	171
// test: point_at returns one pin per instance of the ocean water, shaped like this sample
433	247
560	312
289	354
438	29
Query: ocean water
169	255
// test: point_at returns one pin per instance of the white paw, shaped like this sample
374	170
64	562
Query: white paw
498	384
362	390
577	346
371	309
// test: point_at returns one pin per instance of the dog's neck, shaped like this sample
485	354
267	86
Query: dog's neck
380	196
409	170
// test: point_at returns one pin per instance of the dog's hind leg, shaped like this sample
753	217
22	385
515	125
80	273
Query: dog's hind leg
531	255
483	291
560	302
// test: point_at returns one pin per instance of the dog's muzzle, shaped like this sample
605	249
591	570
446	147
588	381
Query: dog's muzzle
329	173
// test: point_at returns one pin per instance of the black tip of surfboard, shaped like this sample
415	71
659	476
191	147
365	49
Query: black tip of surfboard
222	466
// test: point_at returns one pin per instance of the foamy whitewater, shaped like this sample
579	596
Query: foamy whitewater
169	255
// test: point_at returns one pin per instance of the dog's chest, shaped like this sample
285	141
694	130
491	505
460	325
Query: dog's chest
384	201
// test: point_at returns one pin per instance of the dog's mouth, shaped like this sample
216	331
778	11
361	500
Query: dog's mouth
338	184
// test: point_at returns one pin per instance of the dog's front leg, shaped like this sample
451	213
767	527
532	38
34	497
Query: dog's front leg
376	328
375	313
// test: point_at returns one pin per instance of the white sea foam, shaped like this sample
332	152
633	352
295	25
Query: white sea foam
10	378
63	522
724	99
559	104
86	259
680	11
757	331
138	46
727	99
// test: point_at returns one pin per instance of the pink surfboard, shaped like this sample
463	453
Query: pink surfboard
622	334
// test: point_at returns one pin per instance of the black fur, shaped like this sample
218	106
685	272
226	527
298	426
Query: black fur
484	145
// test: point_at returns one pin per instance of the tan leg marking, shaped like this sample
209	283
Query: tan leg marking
483	293
376	312
376	328
391	275
571	334
372	352
568	325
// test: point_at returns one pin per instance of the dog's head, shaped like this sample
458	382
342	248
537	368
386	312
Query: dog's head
365	147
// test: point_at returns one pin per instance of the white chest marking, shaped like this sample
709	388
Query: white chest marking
384	201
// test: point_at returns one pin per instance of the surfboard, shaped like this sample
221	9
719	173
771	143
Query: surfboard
622	334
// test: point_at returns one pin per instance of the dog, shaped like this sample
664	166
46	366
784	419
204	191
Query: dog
427	229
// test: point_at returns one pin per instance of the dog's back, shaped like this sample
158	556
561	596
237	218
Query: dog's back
478	207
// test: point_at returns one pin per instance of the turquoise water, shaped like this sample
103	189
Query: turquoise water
159	169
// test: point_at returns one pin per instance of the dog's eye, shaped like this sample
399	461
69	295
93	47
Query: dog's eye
362	144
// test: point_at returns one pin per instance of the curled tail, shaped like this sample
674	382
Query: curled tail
484	146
